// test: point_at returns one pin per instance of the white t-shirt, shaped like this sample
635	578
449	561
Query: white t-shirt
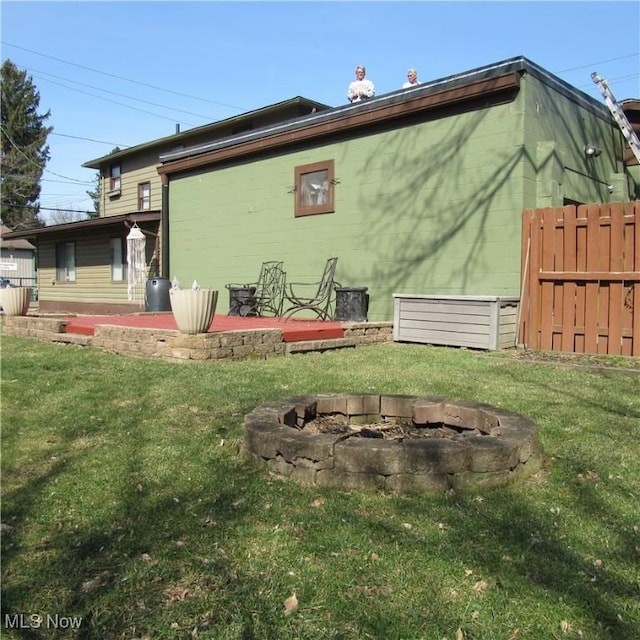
360	86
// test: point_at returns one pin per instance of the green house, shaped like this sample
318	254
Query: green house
416	191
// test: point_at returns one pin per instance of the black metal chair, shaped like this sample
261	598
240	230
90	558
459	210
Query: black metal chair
270	289
260	297
320	301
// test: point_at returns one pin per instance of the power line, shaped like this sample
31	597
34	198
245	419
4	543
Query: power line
619	79
113	75
601	62
33	162
122	104
82	195
63	181
66	135
40	208
21	177
20	151
592	64
122	95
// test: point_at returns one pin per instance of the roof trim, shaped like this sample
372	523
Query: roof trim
442	93
151	216
314	127
176	138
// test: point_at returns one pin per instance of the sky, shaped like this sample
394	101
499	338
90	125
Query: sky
123	73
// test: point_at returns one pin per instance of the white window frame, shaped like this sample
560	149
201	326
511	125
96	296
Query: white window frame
115	180
66	262
118	255
144	196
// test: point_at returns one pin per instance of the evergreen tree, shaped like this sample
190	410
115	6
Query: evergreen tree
95	194
23	150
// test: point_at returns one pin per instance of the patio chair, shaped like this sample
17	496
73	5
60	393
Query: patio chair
270	288
260	297
318	302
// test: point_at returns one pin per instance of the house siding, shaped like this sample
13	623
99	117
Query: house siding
140	165
93	283
24	273
141	169
428	208
556	132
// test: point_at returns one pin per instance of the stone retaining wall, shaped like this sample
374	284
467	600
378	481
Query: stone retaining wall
172	345
368	332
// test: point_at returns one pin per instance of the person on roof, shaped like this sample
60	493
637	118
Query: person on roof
360	89
412	79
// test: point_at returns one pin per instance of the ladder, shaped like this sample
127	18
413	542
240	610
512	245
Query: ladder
618	115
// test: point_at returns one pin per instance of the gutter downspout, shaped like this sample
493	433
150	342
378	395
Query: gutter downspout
164	227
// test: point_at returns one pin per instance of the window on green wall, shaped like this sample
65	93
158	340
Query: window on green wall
66	262
314	192
118	261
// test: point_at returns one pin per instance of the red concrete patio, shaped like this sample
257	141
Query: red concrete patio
293	330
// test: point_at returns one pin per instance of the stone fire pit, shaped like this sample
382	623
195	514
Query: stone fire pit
393	442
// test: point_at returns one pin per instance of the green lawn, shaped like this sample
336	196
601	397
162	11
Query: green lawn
126	503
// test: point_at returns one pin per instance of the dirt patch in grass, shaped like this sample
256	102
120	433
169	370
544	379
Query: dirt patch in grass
622	364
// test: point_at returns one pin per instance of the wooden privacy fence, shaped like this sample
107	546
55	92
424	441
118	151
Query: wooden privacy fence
581	279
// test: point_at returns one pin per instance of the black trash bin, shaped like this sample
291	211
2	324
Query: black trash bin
242	301
157	295
352	304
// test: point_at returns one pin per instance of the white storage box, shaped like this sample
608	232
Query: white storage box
478	322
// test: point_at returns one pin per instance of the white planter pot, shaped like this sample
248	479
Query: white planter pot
15	300
193	309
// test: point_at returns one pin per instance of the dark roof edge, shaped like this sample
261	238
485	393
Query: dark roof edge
518	64
566	89
151	216
176	137
13	243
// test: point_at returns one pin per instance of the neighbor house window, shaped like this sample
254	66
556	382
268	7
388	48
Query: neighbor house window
118	260
314	188
66	262
114	172
144	196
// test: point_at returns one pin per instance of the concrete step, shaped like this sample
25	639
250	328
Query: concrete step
306	346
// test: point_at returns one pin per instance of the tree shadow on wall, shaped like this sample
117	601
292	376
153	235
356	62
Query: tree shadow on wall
432	196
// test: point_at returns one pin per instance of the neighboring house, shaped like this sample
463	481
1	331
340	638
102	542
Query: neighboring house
82	266
17	260
415	191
